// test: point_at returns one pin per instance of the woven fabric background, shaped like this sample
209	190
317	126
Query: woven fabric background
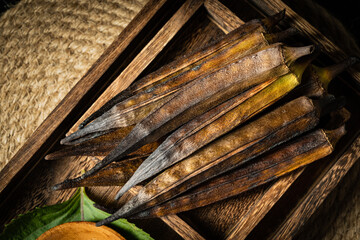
46	46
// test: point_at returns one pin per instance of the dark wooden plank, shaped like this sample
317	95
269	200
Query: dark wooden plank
318	192
44	133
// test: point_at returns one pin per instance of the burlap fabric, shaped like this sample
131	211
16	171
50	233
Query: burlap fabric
45	48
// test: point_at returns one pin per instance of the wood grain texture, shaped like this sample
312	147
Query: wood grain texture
225	19
328	47
261	206
44	137
181	227
318	192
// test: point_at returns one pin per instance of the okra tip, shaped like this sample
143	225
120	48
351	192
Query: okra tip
136	178
329	103
57	187
332	71
353	60
115	216
66	184
335	134
107	106
107	220
51	156
82	135
273	20
280	36
293	53
70	139
103	208
62	153
121	192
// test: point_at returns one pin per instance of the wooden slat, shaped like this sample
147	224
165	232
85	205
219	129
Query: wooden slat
42	137
262	206
225	19
181	227
318	192
329	48
146	56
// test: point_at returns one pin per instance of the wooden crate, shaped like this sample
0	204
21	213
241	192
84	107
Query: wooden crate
163	30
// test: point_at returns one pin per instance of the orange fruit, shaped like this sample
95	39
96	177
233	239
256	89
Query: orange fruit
80	231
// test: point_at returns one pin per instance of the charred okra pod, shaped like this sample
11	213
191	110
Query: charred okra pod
188	61
286	158
132	110
214	123
208	91
227	152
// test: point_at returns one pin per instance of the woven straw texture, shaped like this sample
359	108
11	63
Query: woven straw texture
46	46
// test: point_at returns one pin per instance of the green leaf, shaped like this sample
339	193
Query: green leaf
79	208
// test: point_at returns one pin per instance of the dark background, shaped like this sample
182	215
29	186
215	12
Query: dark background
6	4
347	11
